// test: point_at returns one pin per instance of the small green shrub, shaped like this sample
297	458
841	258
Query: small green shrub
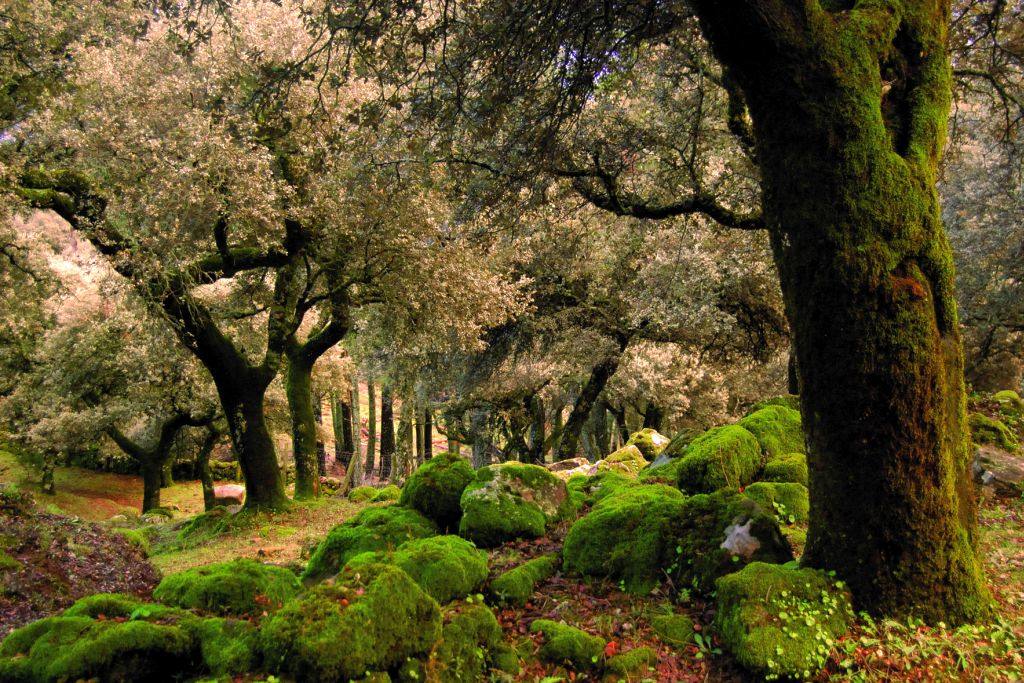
387	494
362	494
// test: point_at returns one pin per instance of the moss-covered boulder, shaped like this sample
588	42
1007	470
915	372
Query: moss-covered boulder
781	621
673	629
591	489
510	501
786	499
564	644
518	584
436	487
778	430
375	528
628	460
791	401
728	456
362	494
228	647
446	567
641	535
649	442
634	663
985	430
370	619
387	494
665	472
791	467
240	588
470	640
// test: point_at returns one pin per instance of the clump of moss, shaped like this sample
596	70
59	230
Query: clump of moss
728	456
649	442
371	619
628	460
241	587
517	585
436	487
593	488
469	638
511	501
988	431
791	467
778	430
664	473
362	494
228	647
387	494
673	629
446	567
791	401
787	500
1010	403
780	621
375	528
568	644
120	606
632	663
140	538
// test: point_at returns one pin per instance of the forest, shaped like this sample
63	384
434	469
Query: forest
473	340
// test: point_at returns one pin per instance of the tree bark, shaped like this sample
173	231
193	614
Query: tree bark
481	437
849	110
151	482
299	391
203	465
568	442
345	455
387	431
47	484
428	434
354	475
537	425
321	447
404	452
371	426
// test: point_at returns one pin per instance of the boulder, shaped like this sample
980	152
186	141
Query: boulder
728	456
470	644
517	585
569	464
985	430
778	430
791	467
627	460
436	487
780	621
564	644
590	489
229	494
512	500
1001	471
649	441
362	494
787	500
239	588
673	629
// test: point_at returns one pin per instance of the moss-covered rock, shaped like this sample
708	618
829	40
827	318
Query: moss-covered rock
786	499
446	567
387	494
120	606
673	629
241	587
469	640
791	467
436	487
641	535
985	430
649	441
1010	403
510	501
778	430
666	472
228	647
791	401
593	488
628	460
516	585
564	644
362	494
781	621
370	619
636	662
373	529
728	456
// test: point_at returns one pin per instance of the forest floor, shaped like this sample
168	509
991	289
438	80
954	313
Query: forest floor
873	651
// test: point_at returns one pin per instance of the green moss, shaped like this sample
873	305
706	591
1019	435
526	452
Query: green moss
228	647
362	494
594	488
468	637
436	487
787	500
723	456
120	606
1010	403
790	467
777	429
633	663
664	473
446	567
780	621
140	538
375	528
388	493
7	562
649	442
238	588
627	460
568	644
673	629
791	401
370	619
511	501
517	585
988	431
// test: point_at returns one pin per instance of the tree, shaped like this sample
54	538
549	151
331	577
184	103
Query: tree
387	431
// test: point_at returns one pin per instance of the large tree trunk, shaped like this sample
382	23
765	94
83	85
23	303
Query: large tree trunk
243	407
568	443
151	480
299	390
849	110
387	430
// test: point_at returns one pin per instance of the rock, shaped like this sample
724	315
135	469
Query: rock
329	484
387	494
590	489
649	441
1010	403
780	621
632	663
362	494
568	644
370	619
627	460
446	567
786	499
470	642
375	528
1001	471
728	456
229	494
791	467
985	430
673	629
510	501
517	585
778	430
436	487
570	464
238	588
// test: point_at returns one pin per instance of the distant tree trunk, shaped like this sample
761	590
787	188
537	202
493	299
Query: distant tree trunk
598	427
481	437
619	412
354	475
537	422
321	447
404	452
299	391
568	443
347	443
167	474
653	416
387	431
428	434
371	416
203	465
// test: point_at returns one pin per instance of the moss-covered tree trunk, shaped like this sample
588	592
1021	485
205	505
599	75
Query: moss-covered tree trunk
849	106
299	390
568	442
428	434
387	430
151	480
243	407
